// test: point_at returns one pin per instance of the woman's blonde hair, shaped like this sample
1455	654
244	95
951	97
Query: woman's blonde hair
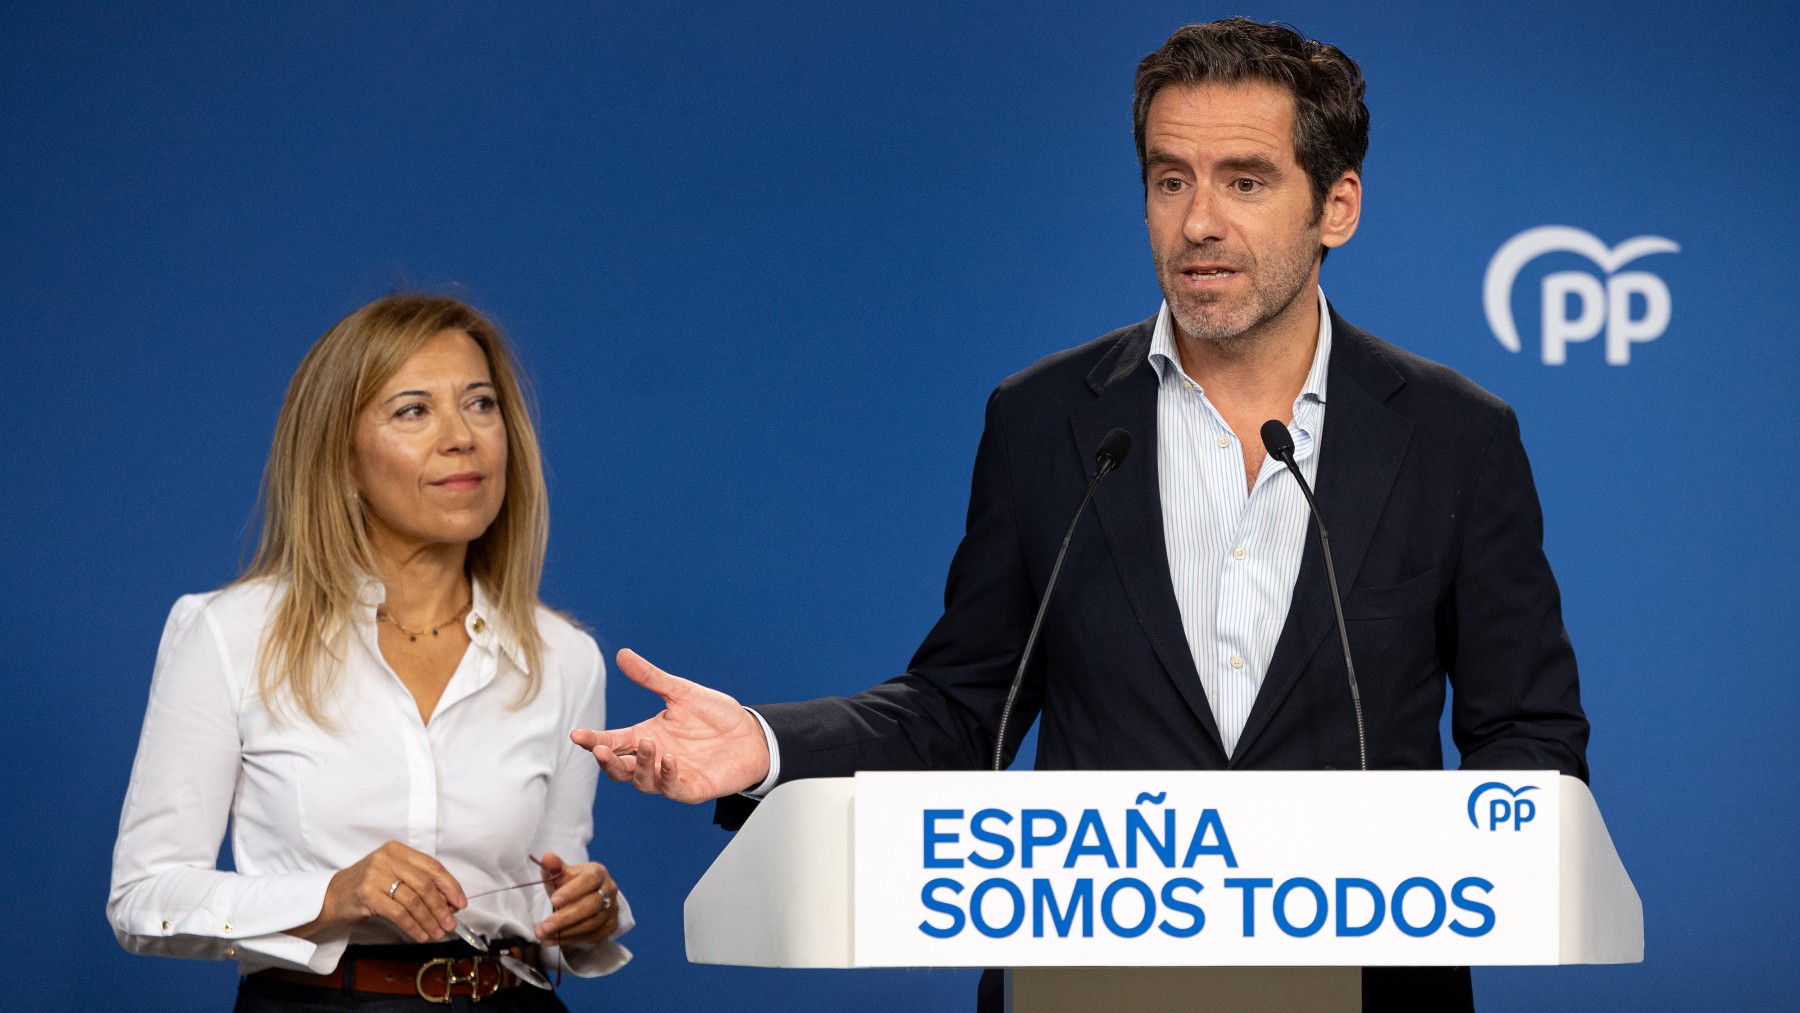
315	537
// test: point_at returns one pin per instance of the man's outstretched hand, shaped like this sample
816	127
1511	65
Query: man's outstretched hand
704	745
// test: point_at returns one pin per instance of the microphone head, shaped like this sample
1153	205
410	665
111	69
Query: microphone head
1276	440
1113	448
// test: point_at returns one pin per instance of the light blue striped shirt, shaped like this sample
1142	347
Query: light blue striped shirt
1233	555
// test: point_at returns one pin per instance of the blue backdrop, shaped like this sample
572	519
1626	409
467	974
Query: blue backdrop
765	265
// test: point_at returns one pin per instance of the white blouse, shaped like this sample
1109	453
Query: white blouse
479	788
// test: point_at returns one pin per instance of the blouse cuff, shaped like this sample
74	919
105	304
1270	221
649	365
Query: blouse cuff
593	961
256	918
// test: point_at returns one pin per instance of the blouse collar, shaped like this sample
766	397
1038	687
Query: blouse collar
483	623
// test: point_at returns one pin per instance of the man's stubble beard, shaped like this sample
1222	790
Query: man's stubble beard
1234	325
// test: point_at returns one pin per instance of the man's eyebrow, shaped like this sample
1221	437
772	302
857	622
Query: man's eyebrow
1257	164
1158	156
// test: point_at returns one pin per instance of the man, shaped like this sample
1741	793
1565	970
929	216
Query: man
1193	626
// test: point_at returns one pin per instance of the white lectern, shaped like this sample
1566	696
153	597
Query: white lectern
1184	889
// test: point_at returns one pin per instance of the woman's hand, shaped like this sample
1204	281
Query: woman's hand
586	901
408	888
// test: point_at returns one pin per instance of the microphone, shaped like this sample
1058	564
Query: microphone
1111	453
1280	445
1113	448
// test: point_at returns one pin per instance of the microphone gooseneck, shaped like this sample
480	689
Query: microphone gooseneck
1110	454
1280	445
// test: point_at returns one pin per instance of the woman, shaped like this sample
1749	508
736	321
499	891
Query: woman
380	704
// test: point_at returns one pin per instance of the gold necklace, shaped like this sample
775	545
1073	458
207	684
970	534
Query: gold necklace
381	616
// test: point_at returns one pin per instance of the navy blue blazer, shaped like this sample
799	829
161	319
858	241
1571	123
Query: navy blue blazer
1437	535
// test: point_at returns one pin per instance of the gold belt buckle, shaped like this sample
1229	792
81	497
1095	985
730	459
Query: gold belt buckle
453	979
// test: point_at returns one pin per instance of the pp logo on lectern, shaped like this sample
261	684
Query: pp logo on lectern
1599	304
1503	806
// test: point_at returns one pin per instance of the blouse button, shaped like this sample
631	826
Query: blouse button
479	624
165	926
228	926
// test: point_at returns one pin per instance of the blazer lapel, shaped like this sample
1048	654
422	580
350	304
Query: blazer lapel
1129	507
1364	443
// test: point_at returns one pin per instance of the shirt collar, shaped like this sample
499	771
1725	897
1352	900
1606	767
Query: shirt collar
1164	359
486	629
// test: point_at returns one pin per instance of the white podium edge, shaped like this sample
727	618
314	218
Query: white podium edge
800	910
1610	930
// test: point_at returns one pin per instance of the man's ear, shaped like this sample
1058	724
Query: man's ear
1342	210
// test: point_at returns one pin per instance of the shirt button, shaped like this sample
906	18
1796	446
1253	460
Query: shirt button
1239	553
1237	662
1224	441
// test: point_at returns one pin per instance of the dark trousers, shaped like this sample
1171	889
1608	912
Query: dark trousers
1384	990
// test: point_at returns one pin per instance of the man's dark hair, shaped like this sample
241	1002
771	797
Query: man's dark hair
1331	123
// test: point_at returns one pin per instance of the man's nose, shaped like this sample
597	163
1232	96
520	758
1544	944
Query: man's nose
1202	222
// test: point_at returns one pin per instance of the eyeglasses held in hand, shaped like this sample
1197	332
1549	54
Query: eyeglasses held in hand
519	968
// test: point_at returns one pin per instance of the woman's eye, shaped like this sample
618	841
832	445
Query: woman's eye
411	411
484	404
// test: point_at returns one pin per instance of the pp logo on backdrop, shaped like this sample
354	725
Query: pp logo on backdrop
1503	806
1598	303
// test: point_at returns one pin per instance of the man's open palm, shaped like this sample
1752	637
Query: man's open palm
703	745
